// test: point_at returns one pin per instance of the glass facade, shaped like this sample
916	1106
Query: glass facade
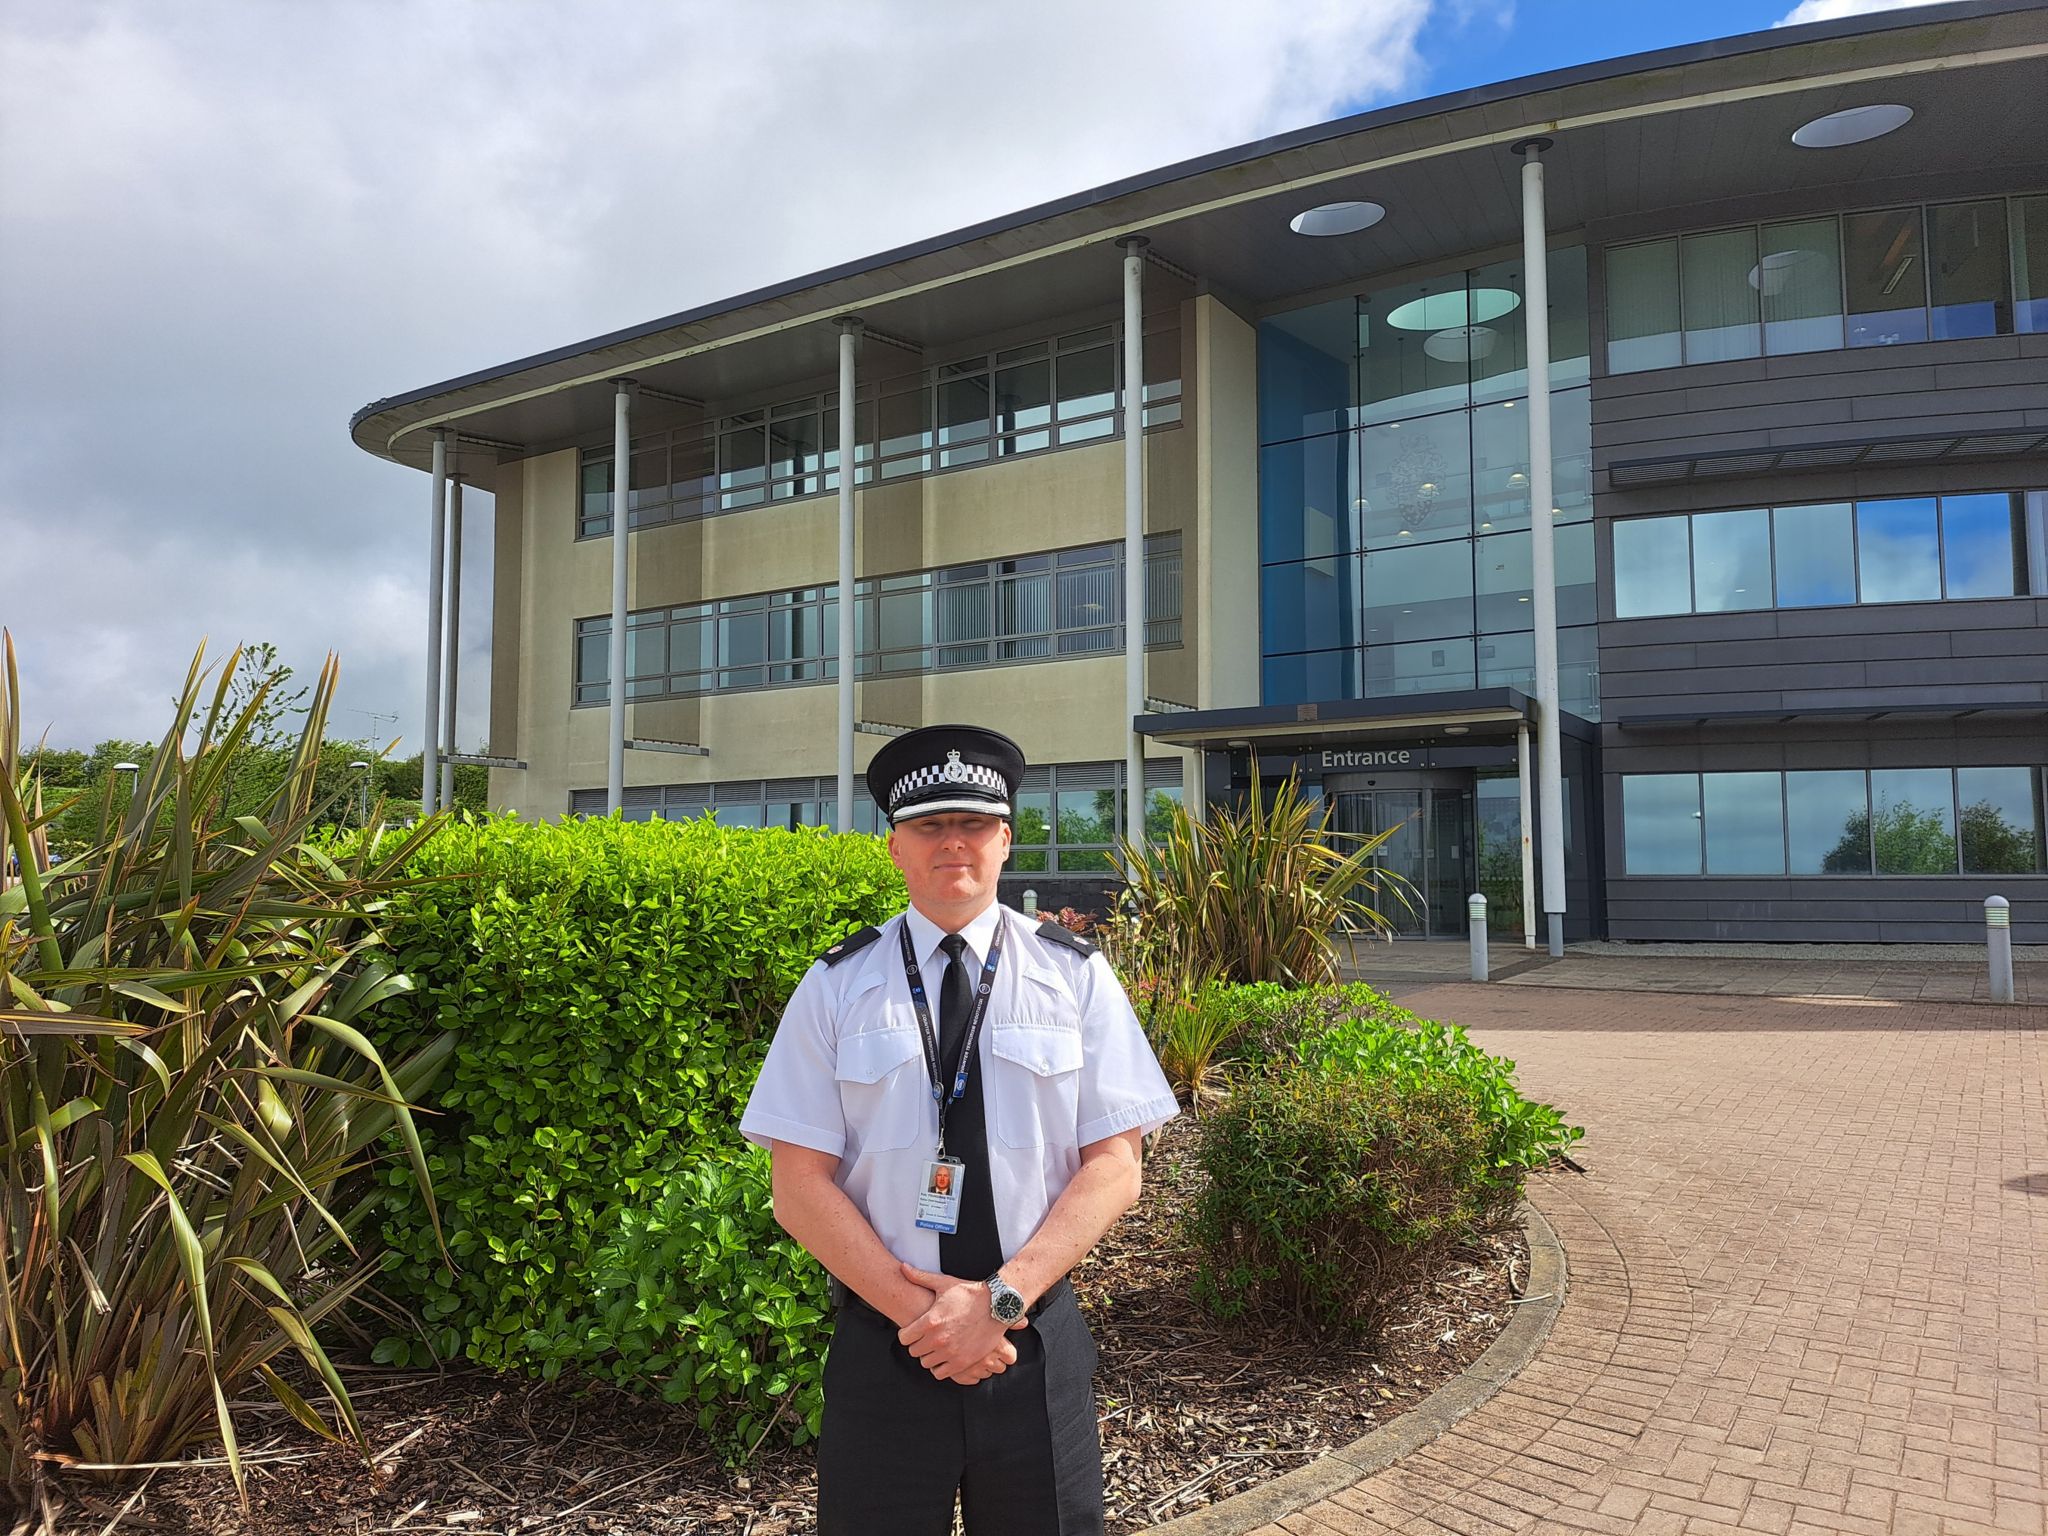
1880	821
1057	393
1877	278
1040	607
1906	549
1394	491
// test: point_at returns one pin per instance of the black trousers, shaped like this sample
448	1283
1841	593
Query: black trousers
1020	1449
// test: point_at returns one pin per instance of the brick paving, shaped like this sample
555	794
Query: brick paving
1808	1277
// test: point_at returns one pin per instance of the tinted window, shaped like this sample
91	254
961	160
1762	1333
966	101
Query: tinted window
1417	592
1827	821
1652	567
1913	821
1981	546
1731	560
1816	555
1799	278
1745	824
1720	301
2000	816
1642	307
1968	270
1898	550
1885	277
1660	816
2030	263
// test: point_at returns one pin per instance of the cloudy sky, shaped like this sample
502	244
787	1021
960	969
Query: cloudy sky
230	223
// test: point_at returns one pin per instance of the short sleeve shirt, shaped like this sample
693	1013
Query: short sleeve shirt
1064	1064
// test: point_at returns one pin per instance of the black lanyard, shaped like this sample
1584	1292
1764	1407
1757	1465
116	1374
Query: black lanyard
929	1036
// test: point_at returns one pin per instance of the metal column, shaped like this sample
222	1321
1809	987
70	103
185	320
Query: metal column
849	346
430	734
1528	846
1542	549
1134	535
622	477
454	643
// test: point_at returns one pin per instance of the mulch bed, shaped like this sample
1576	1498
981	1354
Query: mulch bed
1191	1413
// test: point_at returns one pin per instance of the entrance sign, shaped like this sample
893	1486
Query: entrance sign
1384	757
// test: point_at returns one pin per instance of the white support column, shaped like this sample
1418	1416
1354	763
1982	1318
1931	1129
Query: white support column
454	641
1528	845
849	347
622	478
1542	545
1134	535
430	732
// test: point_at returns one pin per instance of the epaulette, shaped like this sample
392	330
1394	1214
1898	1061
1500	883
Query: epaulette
850	946
1054	932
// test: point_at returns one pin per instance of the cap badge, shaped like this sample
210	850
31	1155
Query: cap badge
955	771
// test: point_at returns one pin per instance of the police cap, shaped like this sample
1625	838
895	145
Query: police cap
940	768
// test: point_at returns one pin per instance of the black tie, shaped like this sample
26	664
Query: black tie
976	1251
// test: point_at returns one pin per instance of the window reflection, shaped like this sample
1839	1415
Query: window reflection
1799	278
1309	498
1417	480
1912	821
1815	548
1652	567
1744	823
1418	592
1968	271
1898	550
1982	543
1660	818
1506	583
1731	561
1827	821
1999	812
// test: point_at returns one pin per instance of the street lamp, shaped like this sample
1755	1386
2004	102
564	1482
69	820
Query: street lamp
362	791
130	769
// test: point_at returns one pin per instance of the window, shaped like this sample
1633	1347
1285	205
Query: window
1069	816
1744	823
1999	813
1866	279
1898	550
1886	278
1901	550
1652	566
1912	821
1815	555
1890	821
2030	263
1827	819
1720	301
962	616
1731	561
1660	820
1968	271
1021	400
1642	307
1799	279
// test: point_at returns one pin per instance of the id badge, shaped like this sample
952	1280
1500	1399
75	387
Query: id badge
938	1202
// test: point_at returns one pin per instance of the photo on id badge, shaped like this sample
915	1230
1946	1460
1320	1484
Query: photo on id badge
938	1207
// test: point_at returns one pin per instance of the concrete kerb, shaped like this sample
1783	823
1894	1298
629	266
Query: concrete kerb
1339	1469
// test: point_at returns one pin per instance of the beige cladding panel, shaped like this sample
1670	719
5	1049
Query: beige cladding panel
508	618
1221	581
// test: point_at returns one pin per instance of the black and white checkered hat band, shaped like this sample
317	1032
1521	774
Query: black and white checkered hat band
949	775
947	803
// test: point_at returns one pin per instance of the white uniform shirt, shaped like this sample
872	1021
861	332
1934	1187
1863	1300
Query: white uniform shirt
1063	1063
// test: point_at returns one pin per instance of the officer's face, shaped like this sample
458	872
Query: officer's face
950	861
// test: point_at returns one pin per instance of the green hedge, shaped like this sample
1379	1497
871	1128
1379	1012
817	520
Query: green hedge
615	986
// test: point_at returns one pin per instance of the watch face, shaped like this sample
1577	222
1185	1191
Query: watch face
1007	1305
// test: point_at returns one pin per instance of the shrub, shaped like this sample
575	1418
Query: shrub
614	986
1330	1199
1248	895
1193	1037
1380	1042
186	1096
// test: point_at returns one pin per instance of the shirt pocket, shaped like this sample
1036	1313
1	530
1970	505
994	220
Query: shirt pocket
883	1088
1035	1081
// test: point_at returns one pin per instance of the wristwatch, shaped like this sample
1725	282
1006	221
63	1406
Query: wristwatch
1005	1301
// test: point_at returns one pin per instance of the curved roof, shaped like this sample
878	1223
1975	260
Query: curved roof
1636	138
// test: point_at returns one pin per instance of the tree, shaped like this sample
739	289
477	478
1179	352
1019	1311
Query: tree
1993	846
1909	841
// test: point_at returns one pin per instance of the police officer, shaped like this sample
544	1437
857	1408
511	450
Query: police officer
955	1104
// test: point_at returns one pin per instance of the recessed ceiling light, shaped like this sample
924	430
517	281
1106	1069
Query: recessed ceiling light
1437	311
1457	730
1853	125
1337	219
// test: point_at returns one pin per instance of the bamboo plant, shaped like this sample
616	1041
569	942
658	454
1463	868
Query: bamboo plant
189	1103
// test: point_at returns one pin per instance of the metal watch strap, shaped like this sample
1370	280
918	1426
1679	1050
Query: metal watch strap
998	1287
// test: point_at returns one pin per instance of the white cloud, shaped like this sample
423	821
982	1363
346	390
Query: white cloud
1835	10
232	222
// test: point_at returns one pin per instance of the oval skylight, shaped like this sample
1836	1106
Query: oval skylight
1852	125
1449	310
1337	219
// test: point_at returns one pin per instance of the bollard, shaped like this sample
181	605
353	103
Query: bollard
1475	911
1998	940
1031	903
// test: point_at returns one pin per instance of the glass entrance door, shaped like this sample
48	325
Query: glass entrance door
1431	849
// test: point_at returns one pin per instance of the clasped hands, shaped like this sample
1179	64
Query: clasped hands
955	1338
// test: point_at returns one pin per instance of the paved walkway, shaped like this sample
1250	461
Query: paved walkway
1892	972
1808	1277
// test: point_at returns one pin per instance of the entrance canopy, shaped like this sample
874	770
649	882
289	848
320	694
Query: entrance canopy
1474	713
